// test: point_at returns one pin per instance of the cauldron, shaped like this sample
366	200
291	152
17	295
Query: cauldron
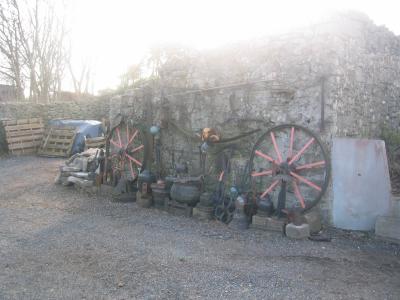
185	192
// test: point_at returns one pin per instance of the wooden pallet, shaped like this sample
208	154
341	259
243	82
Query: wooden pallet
23	136
97	142
57	141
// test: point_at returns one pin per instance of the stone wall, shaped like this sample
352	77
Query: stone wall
366	78
89	109
338	78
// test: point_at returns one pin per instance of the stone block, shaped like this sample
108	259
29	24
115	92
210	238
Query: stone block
268	223
83	183
313	219
297	231
388	228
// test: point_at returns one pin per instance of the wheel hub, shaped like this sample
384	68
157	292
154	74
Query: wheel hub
284	168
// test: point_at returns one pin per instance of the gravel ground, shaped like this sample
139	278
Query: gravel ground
59	243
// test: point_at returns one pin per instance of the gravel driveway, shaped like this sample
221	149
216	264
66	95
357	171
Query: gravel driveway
59	243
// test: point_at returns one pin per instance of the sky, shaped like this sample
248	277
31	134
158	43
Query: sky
115	34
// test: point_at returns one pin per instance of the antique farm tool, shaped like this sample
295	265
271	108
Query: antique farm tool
144	195
126	150
125	156
224	201
290	168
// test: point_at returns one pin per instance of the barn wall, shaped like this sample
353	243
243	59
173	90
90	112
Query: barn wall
338	78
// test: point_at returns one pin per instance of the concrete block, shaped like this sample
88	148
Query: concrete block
313	219
297	232
359	195
388	227
268	223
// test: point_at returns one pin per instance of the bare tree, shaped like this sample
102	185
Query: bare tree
131	76
11	64
44	44
37	46
160	61
83	78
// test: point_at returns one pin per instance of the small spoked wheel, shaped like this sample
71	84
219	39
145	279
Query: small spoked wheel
126	153
289	167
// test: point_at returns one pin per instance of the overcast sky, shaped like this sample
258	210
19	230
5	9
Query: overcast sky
117	33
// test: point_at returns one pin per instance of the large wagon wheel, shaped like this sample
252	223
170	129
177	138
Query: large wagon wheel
126	151
290	167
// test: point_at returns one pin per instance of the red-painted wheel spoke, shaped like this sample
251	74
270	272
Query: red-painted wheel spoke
259	153
262	173
306	181
137	149
278	153
317	164
291	143
127	134
132	137
119	137
270	188
298	194
114	143
297	156
133	159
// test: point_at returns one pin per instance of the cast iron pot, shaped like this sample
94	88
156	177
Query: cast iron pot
186	193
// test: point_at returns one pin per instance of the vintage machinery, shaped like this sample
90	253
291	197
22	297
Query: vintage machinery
287	171
125	158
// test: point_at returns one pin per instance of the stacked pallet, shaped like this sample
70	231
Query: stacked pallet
96	142
57	141
23	136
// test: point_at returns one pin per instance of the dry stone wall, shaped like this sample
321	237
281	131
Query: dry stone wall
90	109
338	78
